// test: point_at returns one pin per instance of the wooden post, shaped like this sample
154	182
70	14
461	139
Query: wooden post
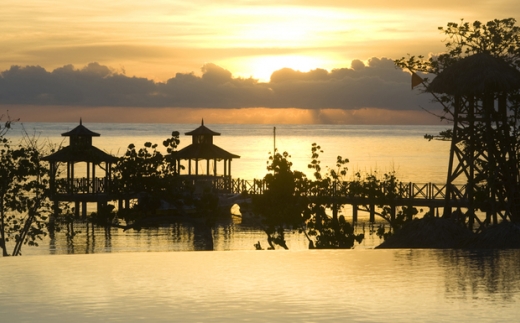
88	180
334	203
354	213
225	168
94	189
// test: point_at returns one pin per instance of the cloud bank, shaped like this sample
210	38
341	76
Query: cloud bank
377	84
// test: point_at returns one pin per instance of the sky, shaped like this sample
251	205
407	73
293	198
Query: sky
232	61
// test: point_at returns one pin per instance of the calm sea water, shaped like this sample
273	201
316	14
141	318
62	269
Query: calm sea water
146	276
263	286
369	148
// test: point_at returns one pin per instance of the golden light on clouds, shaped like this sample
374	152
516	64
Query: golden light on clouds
158	40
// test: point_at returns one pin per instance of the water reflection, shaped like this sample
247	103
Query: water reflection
202	237
263	286
493	274
85	238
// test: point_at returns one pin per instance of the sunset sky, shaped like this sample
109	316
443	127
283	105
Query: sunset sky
178	61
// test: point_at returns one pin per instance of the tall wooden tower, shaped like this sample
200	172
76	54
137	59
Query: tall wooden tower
484	139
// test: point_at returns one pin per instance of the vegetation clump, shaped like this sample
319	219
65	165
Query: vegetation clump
293	201
429	232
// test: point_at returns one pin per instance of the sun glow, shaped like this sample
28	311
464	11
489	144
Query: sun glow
261	67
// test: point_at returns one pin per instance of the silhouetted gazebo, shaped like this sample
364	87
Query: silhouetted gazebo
88	187
203	149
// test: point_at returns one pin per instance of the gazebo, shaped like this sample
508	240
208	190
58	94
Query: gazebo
203	149
88	187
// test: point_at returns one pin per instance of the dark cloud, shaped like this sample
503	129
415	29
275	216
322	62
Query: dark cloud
377	84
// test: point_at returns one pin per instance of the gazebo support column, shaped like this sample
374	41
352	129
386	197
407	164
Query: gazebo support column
225	167
71	177
94	178
68	188
88	178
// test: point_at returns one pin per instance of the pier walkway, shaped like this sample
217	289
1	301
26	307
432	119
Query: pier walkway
429	195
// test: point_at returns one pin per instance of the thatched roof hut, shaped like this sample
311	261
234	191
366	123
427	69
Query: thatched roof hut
475	74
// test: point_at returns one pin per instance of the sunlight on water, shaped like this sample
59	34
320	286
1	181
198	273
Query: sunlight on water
369	148
263	286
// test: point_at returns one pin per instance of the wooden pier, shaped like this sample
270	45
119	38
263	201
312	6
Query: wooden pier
430	195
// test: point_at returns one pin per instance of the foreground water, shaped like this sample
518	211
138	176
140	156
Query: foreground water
263	286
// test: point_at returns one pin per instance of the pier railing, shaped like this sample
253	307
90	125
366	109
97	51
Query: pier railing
82	186
344	192
402	191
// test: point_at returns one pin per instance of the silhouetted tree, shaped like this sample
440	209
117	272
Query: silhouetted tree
330	231
24	203
282	203
148	171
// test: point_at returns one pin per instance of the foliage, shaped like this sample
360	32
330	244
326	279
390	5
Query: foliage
293	201
24	207
282	203
335	231
148	171
382	194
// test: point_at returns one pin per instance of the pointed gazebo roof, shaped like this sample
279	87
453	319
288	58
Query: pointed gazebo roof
80	130
80	148
202	146
202	130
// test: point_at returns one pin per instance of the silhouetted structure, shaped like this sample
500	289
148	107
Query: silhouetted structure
483	150
203	149
88	188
